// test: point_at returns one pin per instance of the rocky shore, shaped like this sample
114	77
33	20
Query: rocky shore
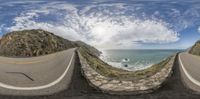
124	87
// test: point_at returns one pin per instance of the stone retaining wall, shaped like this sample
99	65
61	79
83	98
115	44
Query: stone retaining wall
113	86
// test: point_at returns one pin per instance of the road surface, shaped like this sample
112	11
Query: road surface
80	89
36	75
190	70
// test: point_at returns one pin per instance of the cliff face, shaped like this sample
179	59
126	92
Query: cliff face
195	50
35	43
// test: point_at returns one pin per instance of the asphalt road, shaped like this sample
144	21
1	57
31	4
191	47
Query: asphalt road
80	89
190	70
42	75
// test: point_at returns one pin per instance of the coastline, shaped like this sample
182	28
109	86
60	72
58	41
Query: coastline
135	64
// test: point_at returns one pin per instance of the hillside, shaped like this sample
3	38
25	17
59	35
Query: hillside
36	42
195	50
89	48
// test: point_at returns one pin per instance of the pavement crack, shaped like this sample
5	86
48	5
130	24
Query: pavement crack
22	74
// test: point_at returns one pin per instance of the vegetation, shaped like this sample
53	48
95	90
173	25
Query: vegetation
36	42
87	47
195	50
112	72
32	43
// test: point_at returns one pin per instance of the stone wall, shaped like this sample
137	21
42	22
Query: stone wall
113	86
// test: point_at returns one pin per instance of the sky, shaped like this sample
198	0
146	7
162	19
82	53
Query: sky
108	24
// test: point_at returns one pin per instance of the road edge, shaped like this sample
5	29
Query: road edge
188	77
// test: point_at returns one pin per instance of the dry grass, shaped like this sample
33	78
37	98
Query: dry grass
27	43
195	50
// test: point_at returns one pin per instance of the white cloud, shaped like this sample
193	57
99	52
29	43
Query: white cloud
198	29
109	33
15	2
97	25
2	27
100	1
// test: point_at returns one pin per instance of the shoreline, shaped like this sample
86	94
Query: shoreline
132	66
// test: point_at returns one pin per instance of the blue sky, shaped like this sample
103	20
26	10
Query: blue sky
109	24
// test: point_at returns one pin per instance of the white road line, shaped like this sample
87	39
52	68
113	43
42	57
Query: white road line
40	87
187	74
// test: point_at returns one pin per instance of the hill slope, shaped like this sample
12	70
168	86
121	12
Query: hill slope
35	42
87	47
195	50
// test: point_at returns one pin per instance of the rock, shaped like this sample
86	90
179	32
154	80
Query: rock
126	65
107	86
114	81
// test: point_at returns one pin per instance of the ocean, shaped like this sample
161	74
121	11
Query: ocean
135	59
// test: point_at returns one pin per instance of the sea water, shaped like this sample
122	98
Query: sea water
135	59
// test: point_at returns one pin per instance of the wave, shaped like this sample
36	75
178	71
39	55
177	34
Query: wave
130	67
128	64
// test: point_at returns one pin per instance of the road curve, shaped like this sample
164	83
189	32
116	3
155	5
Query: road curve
36	75
190	70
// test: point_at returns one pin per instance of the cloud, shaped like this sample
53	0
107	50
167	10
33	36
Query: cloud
198	29
12	3
103	26
100	1
1	29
